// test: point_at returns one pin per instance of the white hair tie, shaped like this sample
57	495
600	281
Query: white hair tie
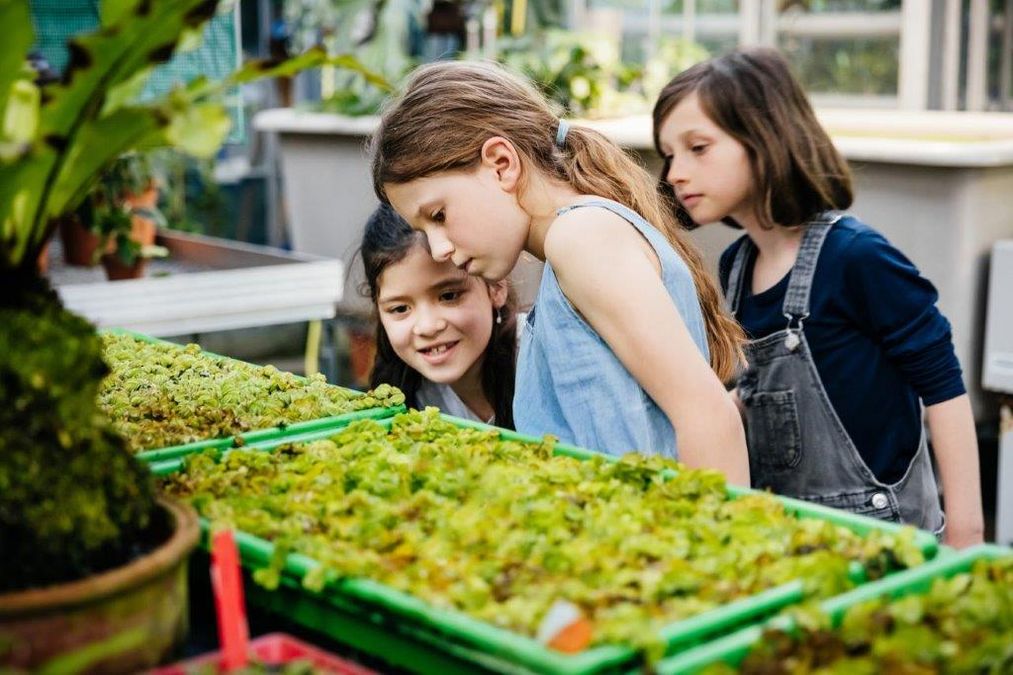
561	131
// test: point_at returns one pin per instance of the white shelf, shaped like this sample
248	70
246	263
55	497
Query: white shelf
206	284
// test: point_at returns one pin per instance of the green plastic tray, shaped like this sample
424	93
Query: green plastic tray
481	644
732	649
256	435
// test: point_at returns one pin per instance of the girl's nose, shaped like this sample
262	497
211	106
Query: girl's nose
676	174
428	321
439	245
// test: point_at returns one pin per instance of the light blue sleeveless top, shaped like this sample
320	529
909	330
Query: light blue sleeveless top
572	385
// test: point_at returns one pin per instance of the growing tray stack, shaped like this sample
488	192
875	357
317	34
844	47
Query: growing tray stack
440	545
169	400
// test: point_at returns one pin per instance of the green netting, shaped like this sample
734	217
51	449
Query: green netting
55	21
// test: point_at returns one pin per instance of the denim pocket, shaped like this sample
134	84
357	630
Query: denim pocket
873	502
772	431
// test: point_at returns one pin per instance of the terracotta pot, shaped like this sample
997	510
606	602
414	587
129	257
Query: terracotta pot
121	621
79	243
117	270
143	230
43	260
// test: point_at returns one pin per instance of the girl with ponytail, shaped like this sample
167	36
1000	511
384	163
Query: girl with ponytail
628	342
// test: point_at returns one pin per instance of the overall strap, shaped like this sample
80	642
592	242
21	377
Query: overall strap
796	299
738	271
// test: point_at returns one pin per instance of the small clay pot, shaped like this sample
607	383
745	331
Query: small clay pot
143	230
79	243
43	260
117	270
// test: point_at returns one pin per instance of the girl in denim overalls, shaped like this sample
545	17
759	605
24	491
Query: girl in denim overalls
627	338
847	344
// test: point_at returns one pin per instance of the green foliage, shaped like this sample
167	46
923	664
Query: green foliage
501	530
866	66
583	74
86	120
963	624
54	142
159	395
73	500
377	32
107	210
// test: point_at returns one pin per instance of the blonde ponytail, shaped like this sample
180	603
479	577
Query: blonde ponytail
593	165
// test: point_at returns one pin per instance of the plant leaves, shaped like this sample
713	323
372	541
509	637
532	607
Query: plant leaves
199	129
18	38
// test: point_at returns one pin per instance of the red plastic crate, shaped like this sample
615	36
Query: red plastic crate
274	649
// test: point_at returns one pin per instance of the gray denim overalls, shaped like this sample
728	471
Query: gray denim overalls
797	444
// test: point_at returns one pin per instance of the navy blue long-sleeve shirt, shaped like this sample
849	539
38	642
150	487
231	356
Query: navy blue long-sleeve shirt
878	341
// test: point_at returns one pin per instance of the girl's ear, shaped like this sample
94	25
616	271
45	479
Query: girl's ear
498	293
500	155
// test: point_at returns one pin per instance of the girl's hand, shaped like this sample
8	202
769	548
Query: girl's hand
962	537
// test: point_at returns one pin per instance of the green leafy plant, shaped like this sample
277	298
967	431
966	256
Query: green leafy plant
584	75
502	530
963	624
160	395
114	205
73	500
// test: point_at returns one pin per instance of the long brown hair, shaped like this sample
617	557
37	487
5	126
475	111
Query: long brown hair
449	109
386	241
752	95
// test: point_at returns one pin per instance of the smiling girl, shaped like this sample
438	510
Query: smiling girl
445	338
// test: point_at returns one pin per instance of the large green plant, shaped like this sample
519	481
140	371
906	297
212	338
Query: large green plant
72	499
56	140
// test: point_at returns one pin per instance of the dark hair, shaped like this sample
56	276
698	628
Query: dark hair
752	95
387	240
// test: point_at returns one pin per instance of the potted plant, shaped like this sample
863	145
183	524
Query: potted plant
92	576
122	210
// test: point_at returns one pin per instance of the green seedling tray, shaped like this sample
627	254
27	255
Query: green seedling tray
732	649
256	435
460	637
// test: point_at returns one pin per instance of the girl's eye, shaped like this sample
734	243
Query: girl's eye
397	309
450	296
698	149
438	217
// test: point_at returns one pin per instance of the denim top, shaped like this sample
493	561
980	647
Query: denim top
569	381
